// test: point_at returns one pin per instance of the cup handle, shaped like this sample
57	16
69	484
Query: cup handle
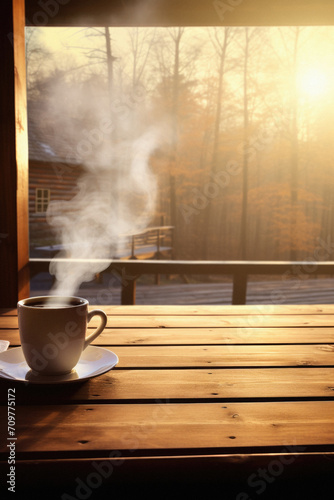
99	329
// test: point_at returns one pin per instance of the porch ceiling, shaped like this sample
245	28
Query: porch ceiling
178	12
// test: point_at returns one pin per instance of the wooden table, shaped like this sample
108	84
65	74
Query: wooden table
236	402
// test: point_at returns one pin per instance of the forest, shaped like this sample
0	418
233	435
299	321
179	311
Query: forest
227	131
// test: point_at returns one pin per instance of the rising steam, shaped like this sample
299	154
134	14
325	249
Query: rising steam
115	197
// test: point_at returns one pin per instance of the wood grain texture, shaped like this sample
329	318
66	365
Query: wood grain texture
235	310
224	356
21	149
203	396
166	385
203	310
175	427
14	251
8	243
200	336
207	321
186	356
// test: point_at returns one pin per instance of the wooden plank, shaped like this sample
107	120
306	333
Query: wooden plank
203	310
197	321
250	321
232	383
9	322
178	427
8	312
195	336
224	356
230	336
177	384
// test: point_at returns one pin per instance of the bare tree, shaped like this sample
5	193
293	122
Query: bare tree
39	62
251	99
245	159
141	42
220	38
175	59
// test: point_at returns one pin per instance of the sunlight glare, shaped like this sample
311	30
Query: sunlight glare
313	82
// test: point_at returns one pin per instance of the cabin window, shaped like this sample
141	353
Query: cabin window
42	200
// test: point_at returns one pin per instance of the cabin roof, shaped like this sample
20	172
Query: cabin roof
45	144
39	145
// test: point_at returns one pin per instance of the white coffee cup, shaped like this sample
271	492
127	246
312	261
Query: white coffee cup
53	332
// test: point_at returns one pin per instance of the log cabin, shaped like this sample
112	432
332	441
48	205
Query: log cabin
52	176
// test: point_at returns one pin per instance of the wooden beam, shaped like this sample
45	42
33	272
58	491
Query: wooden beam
287	269
130	270
179	12
14	244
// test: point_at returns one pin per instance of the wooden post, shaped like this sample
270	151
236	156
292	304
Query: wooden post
132	247
157	256
128	295
158	241
239	289
14	236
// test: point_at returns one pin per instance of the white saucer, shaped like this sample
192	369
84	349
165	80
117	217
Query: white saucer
93	361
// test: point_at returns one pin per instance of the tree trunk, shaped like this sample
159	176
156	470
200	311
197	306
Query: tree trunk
244	206
294	155
216	137
173	152
110	63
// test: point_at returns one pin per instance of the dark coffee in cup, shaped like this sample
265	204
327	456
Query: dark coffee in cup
53	332
40	305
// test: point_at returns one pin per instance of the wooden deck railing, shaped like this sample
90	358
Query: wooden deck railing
152	243
128	271
153	239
